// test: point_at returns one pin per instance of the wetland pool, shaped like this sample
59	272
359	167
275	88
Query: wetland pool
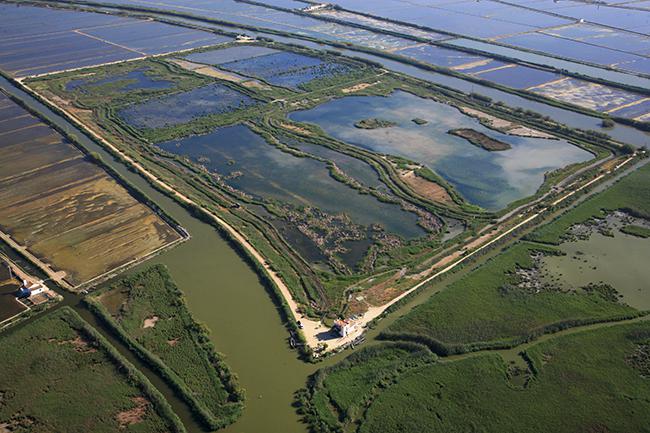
620	260
491	180
264	171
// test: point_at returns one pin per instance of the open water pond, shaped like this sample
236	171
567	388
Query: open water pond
183	107
262	170
488	179
620	260
353	167
126	82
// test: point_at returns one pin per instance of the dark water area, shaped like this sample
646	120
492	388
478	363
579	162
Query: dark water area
286	69
184	107
230	54
489	179
264	171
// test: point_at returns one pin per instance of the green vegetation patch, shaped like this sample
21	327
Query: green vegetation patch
585	382
374	123
59	374
630	194
479	139
148	311
337	395
638	231
492	306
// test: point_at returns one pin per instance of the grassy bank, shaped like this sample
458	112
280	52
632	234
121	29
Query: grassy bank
493	306
148	312
59	374
630	194
587	381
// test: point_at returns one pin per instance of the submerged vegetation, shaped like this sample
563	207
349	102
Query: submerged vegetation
149	313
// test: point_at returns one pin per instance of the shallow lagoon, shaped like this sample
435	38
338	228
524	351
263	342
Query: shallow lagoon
488	179
267	172
619	260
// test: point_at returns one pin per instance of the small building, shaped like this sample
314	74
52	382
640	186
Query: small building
343	327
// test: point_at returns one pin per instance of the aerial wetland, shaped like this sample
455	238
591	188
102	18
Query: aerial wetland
495	180
300	217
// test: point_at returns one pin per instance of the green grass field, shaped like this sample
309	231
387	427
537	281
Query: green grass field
148	312
60	375
487	308
638	231
592	381
586	382
631	194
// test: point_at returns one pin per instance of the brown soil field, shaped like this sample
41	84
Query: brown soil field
65	209
425	188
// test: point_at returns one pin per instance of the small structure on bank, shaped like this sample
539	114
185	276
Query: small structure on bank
344	327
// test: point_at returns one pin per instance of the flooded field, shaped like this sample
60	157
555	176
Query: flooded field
619	260
230	54
488	179
183	107
443	57
482	20
66	210
580	51
286	69
79	39
260	169
589	95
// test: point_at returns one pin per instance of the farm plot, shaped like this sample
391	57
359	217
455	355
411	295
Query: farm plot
518	77
65	209
578	50
443	57
59	374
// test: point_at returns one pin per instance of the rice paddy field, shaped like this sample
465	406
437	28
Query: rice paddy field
58	365
64	208
36	40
